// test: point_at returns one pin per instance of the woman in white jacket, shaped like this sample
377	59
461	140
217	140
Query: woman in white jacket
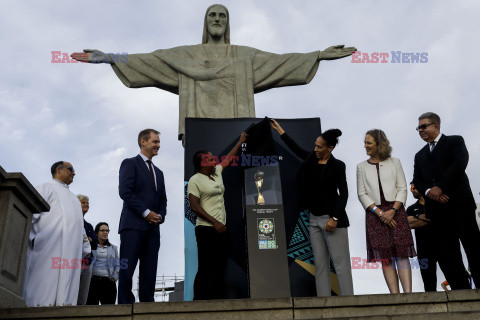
382	190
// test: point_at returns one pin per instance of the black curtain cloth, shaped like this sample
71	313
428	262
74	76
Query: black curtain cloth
219	136
260	139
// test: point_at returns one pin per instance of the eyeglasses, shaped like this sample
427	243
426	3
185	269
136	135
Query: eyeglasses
424	126
104	230
70	169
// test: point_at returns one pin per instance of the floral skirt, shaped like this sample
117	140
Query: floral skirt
384	242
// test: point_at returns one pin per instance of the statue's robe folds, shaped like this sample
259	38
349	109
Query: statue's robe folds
215	81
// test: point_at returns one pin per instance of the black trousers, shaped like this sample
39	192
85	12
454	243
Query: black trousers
212	259
458	225
427	256
102	290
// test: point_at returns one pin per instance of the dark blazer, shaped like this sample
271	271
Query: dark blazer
90	233
333	183
138	193
445	168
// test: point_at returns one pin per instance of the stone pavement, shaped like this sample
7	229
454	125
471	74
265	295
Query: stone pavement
461	304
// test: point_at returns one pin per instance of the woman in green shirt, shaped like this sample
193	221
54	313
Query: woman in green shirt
205	194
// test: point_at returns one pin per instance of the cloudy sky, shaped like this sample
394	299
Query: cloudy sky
83	114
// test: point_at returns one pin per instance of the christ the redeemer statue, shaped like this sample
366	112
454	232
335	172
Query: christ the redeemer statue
215	79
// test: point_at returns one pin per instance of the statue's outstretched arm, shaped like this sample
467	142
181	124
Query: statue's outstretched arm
336	52
94	56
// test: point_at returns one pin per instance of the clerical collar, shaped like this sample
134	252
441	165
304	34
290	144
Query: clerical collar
60	182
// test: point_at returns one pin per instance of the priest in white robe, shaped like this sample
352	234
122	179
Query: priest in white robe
56	244
214	79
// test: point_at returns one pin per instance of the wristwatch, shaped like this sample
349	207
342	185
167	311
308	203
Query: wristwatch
335	219
395	210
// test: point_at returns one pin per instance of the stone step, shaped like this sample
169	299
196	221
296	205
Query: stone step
425	316
463	304
387	305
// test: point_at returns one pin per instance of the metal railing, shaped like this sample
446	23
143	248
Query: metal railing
163	286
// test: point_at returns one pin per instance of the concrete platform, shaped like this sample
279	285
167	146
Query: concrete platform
464	304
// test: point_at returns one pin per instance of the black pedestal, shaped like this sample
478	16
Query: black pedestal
219	136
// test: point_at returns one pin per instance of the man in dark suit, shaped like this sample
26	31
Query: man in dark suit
439	174
142	189
425	240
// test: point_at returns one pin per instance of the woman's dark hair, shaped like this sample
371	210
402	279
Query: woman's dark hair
97	229
331	137
197	159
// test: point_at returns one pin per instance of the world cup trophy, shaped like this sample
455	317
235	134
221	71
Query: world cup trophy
258	176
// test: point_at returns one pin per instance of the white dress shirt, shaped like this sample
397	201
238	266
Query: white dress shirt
436	142
146	212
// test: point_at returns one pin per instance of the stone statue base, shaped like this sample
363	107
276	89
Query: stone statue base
18	202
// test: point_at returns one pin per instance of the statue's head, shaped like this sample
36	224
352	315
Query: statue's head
216	25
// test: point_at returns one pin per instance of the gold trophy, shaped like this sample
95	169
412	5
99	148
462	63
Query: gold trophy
258	176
